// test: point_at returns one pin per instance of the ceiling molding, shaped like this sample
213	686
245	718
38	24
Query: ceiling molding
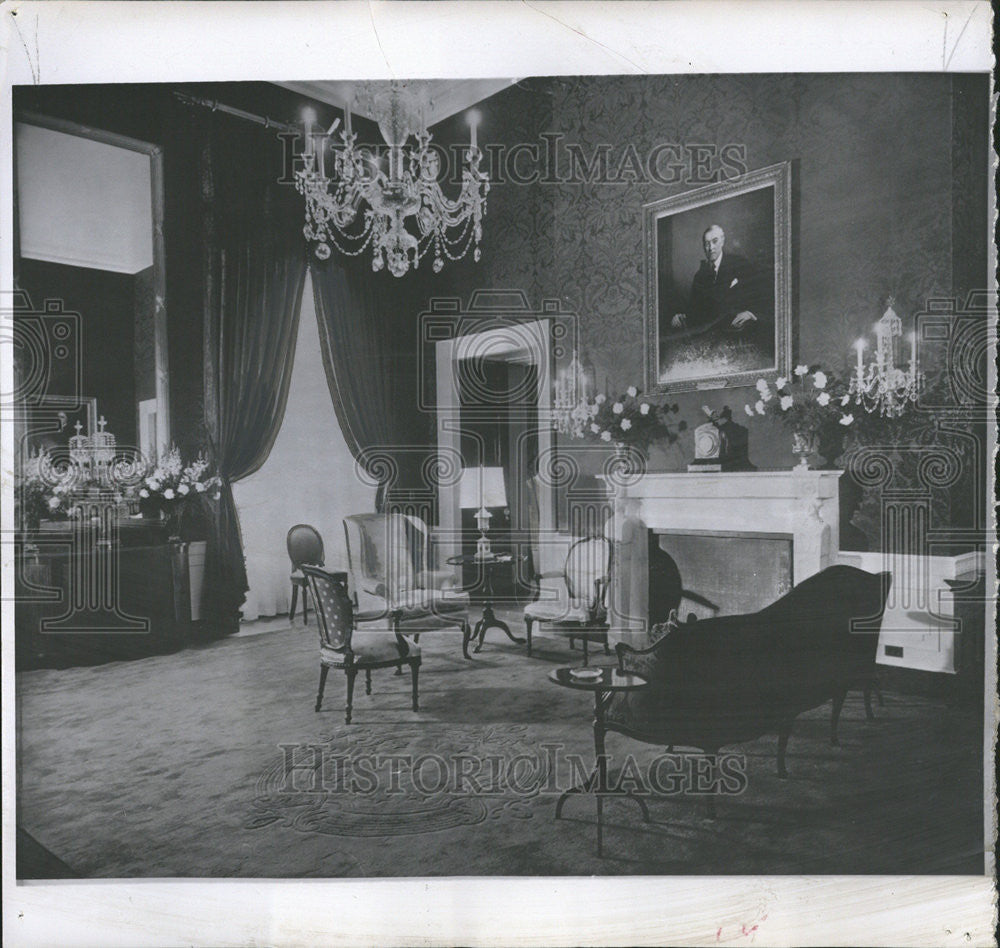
443	98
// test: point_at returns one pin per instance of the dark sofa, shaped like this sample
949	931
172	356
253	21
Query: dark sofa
721	681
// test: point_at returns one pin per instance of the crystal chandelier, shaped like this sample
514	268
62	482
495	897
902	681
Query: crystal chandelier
361	203
880	386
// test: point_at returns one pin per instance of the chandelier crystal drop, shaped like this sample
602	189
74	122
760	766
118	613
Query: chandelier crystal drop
353	200
880	387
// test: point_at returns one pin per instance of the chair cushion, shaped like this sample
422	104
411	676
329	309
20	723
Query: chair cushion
543	610
420	602
371	647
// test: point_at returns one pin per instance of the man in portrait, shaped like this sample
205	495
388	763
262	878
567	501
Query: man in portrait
726	322
725	293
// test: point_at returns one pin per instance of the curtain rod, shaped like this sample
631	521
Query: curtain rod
216	106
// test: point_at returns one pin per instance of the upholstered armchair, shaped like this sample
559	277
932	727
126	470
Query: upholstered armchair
393	578
730	679
572	600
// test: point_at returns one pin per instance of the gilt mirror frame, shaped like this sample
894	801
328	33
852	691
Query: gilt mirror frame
755	210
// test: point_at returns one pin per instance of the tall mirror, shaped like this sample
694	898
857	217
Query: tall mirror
89	240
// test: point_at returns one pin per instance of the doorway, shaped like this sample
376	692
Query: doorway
493	409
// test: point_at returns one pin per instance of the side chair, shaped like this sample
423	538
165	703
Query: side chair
304	545
340	648
573	600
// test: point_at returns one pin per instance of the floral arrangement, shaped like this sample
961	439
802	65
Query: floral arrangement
174	488
51	489
39	500
630	419
808	402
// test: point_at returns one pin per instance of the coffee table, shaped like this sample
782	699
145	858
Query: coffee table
489	619
604	687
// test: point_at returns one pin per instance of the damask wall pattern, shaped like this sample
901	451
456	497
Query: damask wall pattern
872	203
881	197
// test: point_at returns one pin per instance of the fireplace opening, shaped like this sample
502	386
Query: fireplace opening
716	573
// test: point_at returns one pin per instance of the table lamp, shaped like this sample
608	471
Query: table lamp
482	487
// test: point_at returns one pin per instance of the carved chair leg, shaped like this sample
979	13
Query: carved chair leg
295	599
869	714
324	670
607	647
586	656
527	629
368	681
414	672
352	673
784	732
305	606
838	703
395	629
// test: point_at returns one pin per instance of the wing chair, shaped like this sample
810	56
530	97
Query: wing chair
389	557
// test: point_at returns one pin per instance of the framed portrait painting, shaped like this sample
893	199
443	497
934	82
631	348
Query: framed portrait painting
719	284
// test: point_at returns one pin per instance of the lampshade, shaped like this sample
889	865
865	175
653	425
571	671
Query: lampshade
482	487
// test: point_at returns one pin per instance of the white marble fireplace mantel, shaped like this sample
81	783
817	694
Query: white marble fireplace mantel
802	504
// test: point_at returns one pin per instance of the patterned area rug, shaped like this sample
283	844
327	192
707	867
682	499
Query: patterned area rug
389	784
211	762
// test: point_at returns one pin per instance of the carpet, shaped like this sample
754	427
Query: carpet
210	762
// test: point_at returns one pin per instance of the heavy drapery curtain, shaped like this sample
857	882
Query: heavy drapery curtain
254	268
369	338
308	477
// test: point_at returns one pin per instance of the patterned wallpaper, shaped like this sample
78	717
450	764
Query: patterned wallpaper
518	250
871	205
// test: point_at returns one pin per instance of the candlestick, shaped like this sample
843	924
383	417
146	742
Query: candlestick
860	346
473	126
308	117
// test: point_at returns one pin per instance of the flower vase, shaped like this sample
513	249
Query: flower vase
625	466
805	446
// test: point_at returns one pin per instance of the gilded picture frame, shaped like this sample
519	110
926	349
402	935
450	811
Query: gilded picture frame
719	316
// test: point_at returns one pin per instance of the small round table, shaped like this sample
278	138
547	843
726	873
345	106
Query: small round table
610	681
489	619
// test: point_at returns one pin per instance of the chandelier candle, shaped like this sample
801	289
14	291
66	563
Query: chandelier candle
400	212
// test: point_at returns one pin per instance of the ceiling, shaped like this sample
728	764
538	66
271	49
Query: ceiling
441	98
